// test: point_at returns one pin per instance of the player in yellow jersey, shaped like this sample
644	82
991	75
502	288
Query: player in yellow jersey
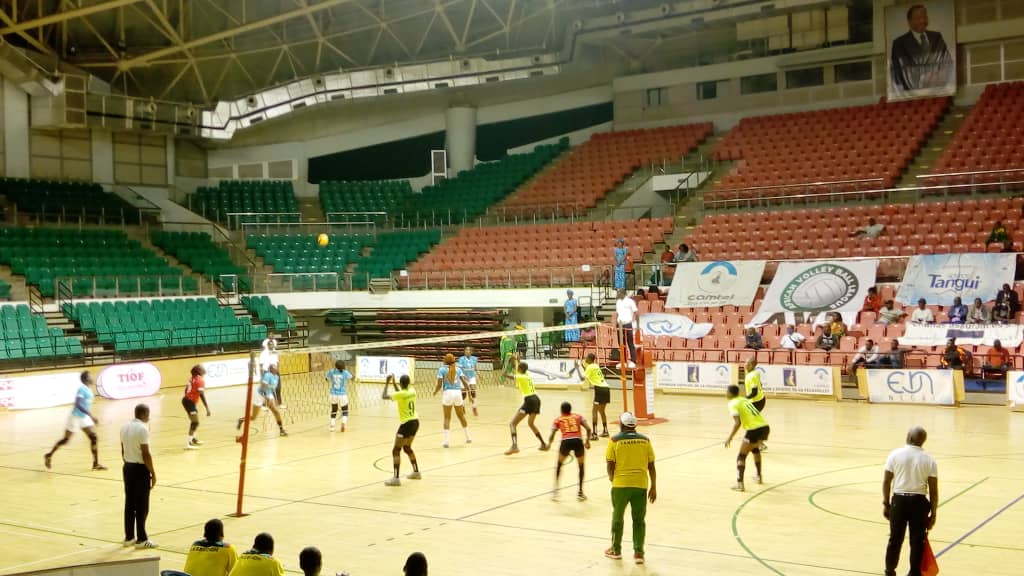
409	424
754	388
593	376
211	556
745	414
530	408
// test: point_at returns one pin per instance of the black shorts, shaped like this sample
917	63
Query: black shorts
757	434
408	429
574	445
531	404
602	395
189	405
760	404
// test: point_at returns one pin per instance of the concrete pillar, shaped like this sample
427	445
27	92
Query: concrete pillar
460	138
17	138
102	156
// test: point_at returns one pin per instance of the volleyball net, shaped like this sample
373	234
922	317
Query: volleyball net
305	390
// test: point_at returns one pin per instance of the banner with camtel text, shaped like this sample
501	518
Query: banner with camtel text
711	284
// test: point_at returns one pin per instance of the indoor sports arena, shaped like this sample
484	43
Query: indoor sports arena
511	287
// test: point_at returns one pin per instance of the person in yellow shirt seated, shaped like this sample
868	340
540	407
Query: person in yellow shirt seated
211	556
260	560
749	417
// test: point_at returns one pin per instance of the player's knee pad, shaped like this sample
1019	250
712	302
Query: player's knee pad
344	410
756	451
334	410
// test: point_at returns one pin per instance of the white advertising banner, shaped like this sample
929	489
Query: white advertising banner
664	324
1015	388
710	284
815	287
45	391
377	368
939	278
813	380
701	376
911	387
1009	335
122	381
221	373
554	372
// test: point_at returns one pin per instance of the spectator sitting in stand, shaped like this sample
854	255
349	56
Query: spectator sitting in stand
889	314
837	326
997	361
957	312
893	358
953	357
1007	305
686	254
872	302
998	235
922	314
872	230
753	340
978	313
867	355
666	269
827	341
791	340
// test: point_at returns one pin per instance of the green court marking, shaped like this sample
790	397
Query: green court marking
812	495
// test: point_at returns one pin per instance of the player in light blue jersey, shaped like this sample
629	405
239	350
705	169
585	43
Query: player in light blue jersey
339	377
81	418
265	394
468	364
451	378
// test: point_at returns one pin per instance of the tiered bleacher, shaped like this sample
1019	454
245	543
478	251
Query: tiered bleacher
383	325
238	202
320	267
843	147
921	228
544	254
393	251
265	311
468	195
92	262
577	182
26	336
992	138
67	201
341	199
198	251
150	325
5	290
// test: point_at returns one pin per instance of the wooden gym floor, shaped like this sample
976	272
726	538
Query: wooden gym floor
479	512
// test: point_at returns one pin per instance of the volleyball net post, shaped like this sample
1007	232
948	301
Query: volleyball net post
244	439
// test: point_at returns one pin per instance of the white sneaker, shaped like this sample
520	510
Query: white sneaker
191	447
128	543
148	544
738	487
415	476
331	427
392	482
631	365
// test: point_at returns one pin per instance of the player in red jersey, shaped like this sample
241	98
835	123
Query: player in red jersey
195	391
573	441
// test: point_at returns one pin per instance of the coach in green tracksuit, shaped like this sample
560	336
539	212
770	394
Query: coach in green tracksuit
630	459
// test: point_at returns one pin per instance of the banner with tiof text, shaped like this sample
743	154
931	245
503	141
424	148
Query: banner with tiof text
711	284
1009	335
939	278
816	287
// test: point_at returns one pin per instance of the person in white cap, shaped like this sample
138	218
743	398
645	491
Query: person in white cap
630	459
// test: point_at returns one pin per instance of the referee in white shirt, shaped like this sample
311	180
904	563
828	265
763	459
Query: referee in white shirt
626	313
139	478
910	496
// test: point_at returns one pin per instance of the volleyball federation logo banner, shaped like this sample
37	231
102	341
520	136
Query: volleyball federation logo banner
813	380
816	287
378	368
709	284
695	376
1015	388
664	324
939	278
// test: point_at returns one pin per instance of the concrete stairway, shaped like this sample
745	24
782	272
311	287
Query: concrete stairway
934	146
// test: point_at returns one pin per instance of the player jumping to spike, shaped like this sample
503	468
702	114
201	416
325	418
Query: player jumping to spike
530	408
451	378
468	364
80	418
339	377
572	441
409	424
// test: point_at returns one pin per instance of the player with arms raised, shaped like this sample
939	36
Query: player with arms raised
339	377
266	395
409	424
572	441
530	408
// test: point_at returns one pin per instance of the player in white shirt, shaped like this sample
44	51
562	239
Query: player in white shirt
80	418
467	363
451	379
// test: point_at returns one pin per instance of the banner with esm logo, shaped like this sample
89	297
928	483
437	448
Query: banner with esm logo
818	286
1015	389
939	278
709	284
813	380
938	387
695	376
378	368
